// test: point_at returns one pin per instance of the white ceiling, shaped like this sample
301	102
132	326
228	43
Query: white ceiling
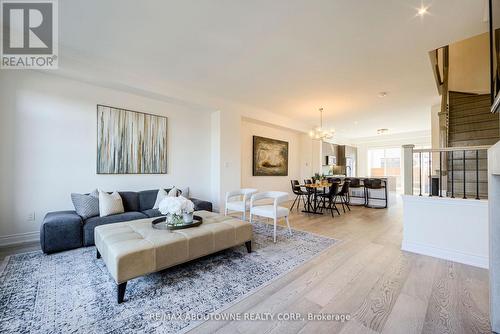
284	56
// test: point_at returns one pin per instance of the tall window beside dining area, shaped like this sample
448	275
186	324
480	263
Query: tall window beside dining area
384	162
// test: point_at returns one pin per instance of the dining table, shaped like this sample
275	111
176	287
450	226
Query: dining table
313	189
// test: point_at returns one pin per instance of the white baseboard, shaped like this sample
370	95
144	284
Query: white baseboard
446	254
20	238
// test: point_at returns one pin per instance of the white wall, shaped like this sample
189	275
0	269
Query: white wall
230	157
250	128
48	147
304	155
311	157
470	65
448	228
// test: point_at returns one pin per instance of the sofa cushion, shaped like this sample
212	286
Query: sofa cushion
86	205
110	204
151	213
91	223
130	200
147	199
60	231
201	205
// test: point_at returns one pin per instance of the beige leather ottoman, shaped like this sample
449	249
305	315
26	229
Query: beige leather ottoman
132	249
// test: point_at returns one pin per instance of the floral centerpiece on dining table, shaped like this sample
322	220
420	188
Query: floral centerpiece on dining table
178	210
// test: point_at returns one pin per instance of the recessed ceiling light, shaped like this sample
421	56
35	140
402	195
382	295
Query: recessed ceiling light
382	94
423	10
382	131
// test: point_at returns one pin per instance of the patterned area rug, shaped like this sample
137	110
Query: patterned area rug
72	291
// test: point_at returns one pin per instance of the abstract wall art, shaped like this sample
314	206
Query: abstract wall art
130	142
270	157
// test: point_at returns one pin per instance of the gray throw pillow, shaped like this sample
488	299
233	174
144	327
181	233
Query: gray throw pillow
86	206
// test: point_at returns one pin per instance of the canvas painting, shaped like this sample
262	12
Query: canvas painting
270	157
130	142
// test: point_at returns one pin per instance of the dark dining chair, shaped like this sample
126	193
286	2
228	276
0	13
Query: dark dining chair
343	195
331	197
297	190
355	183
375	184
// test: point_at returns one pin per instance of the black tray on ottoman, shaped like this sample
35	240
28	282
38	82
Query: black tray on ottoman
157	224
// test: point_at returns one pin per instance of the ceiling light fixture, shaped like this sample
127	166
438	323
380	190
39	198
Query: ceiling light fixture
319	132
382	94
382	131
423	10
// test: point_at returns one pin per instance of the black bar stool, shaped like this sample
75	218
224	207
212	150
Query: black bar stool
375	184
355	183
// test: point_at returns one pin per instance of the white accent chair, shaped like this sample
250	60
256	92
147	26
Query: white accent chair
273	211
241	204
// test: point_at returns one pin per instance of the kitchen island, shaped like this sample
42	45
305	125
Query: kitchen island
357	194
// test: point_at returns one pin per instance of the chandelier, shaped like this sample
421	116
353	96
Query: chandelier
319	132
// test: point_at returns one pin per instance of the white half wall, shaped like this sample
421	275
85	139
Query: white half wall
48	147
447	228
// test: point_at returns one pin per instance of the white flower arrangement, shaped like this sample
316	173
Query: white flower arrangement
178	209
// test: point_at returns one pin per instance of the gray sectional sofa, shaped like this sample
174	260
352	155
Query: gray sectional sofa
63	230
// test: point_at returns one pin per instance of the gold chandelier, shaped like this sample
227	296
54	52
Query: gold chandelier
319	132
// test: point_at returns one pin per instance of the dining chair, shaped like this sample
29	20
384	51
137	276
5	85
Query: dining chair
343	195
331	196
297	190
241	203
273	211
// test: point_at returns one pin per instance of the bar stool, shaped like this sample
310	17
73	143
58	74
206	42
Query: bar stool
375	184
355	183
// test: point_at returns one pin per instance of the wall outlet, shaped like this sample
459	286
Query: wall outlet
31	216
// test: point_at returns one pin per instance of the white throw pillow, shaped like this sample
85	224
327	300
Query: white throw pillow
162	193
173	192
184	190
110	204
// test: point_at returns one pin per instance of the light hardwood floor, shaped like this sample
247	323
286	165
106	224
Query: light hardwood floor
367	276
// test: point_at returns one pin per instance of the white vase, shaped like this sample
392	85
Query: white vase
187	217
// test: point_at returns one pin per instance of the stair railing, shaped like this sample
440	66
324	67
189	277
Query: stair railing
419	161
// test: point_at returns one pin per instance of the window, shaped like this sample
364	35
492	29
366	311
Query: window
385	162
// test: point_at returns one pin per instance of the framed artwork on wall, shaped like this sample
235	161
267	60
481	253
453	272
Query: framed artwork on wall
270	157
130	142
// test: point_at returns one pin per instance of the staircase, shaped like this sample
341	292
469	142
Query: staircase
470	124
